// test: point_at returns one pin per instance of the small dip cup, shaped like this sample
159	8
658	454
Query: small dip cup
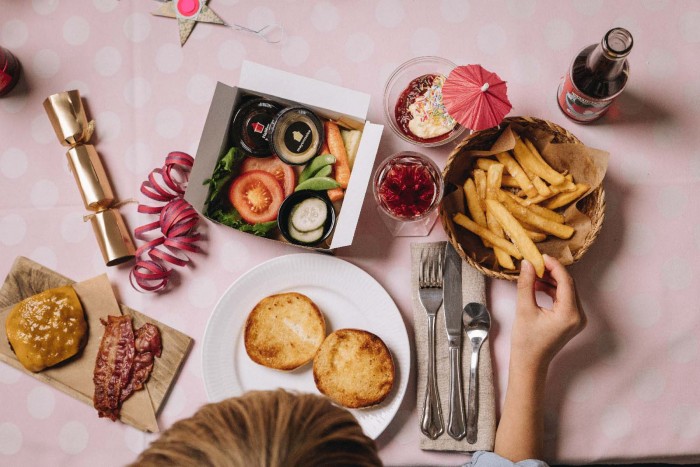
296	198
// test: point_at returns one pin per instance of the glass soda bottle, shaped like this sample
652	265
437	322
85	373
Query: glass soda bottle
9	71
597	76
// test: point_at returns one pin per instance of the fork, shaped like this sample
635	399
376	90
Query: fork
430	292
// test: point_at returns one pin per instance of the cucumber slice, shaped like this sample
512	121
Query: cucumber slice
305	237
309	215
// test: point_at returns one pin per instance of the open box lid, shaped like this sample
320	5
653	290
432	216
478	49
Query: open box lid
330	100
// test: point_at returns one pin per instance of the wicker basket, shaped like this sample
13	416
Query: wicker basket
592	205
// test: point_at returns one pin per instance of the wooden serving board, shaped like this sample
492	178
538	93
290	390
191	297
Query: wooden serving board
74	377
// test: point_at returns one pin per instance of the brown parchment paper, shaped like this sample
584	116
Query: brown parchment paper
74	376
587	165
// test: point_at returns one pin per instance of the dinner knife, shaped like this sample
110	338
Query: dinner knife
452	301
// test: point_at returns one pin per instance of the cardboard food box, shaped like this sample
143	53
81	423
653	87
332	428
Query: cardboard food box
345	106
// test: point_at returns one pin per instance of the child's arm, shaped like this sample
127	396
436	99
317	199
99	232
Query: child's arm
538	334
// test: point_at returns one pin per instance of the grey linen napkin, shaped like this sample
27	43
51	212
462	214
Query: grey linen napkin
473	290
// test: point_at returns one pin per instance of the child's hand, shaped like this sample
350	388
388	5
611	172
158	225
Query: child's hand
539	333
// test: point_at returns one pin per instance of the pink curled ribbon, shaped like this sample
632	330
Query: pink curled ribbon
177	222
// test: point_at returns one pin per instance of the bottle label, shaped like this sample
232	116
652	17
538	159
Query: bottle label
577	106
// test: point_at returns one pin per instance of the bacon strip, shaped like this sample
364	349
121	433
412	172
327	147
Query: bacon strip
124	363
113	366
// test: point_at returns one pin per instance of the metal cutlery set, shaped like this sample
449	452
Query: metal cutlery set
440	282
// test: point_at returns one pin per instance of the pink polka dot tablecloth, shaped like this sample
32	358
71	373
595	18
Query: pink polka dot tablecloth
623	390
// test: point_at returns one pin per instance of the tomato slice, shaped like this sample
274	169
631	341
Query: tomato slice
285	174
257	196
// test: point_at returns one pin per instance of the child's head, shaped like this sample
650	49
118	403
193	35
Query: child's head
264	428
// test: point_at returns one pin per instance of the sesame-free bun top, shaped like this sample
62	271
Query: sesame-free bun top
47	328
354	368
284	331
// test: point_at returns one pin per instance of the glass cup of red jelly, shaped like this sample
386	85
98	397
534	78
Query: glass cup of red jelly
408	189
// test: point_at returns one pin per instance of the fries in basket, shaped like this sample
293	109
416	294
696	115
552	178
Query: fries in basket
512	199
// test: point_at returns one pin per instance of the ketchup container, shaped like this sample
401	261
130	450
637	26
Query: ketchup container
9	71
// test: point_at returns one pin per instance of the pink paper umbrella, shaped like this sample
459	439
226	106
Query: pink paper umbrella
475	97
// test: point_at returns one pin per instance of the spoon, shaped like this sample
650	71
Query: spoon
477	322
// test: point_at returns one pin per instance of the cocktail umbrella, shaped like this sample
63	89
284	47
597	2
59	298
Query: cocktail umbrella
475	97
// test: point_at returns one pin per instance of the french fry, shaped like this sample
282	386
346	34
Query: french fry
536	236
509	181
535	208
565	187
562	199
535	163
524	214
493	187
517	234
483	163
517	172
480	182
486	234
473	203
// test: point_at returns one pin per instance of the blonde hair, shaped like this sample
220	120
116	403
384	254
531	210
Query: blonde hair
264	428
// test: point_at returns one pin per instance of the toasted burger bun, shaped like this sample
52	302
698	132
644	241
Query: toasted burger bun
284	331
354	368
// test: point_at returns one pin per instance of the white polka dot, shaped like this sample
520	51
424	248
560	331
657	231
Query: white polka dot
41	130
134	440
521	8
137	158
105	6
176	402
98	262
14	102
231	54
14	34
169	123
13	228
649	384
200	89
295	51
46	63
685	420
108	126
329	75
260	17
229	2
454	11
44	194
616	422
73	437
10	438
169	58
640	238
386	70
525	69
234	257
40	402
137	27
589	7
13	163
661	63
45	256
325	17
672	202
107	61
582	388
137	92
628	22
359	47
389	13
684	349
655	5
202	292
44	7
491	39
688	26
644	309
677	273
558	34
9	375
73	228
425	41
76	30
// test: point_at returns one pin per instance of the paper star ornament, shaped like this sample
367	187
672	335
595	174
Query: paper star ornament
188	13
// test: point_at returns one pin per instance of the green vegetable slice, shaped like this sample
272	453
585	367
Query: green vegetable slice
318	184
308	215
316	164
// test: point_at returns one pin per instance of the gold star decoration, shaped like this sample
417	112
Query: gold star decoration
188	13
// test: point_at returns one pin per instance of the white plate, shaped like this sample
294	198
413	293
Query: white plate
348	298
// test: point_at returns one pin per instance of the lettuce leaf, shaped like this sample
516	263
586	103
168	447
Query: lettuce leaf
218	207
